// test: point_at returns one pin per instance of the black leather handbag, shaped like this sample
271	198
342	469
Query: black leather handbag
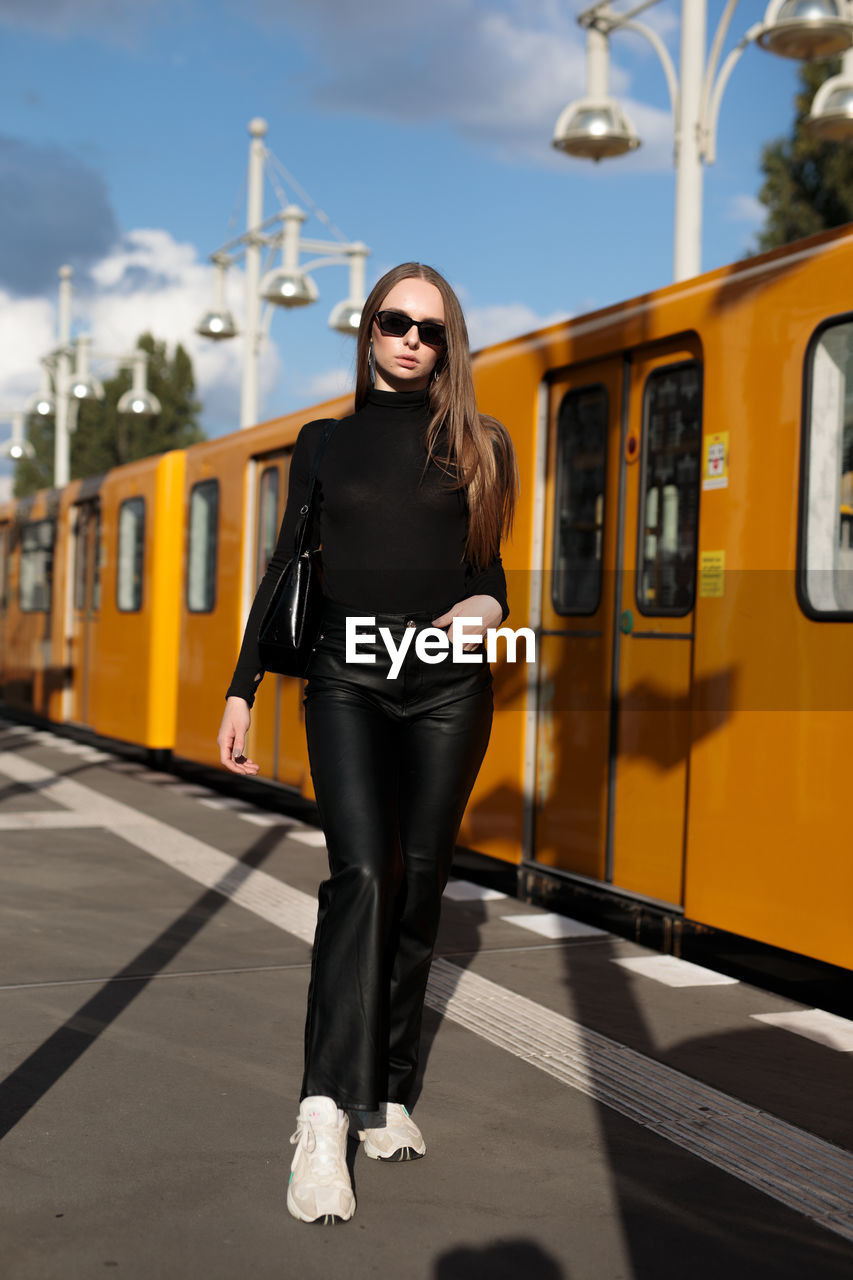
291	623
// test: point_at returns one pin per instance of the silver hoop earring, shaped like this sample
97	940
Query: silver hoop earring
371	365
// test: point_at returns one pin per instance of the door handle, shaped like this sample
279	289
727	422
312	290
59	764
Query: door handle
626	622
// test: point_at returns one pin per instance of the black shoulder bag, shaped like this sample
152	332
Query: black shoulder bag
289	628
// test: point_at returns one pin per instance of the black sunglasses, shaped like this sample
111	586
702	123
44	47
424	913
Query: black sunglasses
396	324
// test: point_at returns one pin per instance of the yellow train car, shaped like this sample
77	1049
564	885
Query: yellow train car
89	626
682	553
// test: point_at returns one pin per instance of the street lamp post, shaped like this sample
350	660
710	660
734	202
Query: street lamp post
62	374
73	383
596	126
288	285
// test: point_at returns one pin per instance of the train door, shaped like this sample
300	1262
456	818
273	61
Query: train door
274	745
617	643
85	603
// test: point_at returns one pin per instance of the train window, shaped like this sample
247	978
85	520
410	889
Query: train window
826	532
4	567
579	500
98	561
267	518
87	531
669	503
36	566
131	552
204	527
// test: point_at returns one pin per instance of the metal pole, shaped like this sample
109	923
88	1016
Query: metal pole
688	162
597	59
254	217
61	450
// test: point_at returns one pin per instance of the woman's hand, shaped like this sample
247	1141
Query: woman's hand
232	737
486	608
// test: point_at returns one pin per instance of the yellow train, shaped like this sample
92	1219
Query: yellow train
683	552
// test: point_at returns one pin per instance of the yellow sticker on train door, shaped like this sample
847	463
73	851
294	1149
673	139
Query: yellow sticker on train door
715	469
712	569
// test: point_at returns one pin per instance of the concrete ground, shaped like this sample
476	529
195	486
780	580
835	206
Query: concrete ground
155	951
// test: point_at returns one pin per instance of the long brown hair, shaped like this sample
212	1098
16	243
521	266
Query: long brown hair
478	456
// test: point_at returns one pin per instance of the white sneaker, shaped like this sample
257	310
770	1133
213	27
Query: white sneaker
320	1189
390	1133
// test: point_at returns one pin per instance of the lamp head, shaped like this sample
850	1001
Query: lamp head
831	116
217	324
595	128
85	387
142	404
41	405
346	317
806	28
15	449
289	287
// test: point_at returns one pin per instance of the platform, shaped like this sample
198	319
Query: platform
592	1110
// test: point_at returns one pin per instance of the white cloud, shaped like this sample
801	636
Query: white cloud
148	282
27	332
746	208
499	73
496	323
328	385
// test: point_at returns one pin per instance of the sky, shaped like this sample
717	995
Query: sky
423	130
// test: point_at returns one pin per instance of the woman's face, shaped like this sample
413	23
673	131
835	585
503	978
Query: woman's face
406	364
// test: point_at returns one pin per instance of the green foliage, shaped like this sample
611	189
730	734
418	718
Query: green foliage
104	438
808	184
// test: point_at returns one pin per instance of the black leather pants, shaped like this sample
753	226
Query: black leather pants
393	763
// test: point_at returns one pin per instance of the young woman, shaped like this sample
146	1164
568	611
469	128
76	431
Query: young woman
414	492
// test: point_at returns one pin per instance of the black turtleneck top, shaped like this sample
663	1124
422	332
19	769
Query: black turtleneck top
393	535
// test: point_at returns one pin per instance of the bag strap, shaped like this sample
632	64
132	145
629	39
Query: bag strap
305	511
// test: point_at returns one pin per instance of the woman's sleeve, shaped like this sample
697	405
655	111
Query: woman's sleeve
490	581
248	672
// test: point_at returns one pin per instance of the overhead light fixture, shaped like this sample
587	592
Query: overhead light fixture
218	323
831	116
139	400
83	385
594	130
806	28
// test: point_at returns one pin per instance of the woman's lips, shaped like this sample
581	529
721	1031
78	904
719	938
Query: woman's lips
408	361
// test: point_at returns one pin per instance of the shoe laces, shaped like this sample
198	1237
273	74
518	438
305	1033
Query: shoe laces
319	1143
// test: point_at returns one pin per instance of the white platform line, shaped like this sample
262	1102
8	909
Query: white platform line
312	837
551	925
226	802
46	819
788	1164
815	1024
673	972
465	891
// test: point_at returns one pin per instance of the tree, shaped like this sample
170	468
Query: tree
104	438
808	184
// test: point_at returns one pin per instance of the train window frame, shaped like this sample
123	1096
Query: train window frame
805	508
558	606
642	606
271	470
211	552
137	554
49	522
